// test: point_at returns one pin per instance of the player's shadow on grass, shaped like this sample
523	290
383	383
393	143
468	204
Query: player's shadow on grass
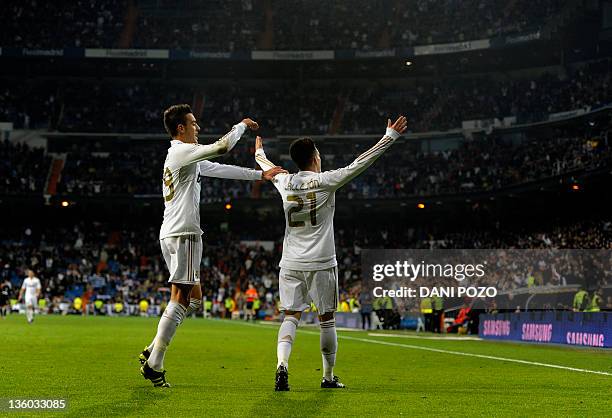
140	399
284	404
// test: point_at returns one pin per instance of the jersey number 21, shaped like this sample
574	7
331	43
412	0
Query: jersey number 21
312	199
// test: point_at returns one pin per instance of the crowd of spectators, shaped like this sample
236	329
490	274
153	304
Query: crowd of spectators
23	170
243	25
308	108
124	264
370	25
444	103
482	165
39	24
211	25
485	164
28	106
432	21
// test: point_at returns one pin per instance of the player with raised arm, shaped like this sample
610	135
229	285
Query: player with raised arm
211	169
308	264
180	234
31	287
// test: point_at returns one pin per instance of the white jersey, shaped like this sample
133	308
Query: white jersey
309	200
181	186
31	286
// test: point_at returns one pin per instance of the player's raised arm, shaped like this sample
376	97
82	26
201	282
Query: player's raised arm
262	160
194	153
338	178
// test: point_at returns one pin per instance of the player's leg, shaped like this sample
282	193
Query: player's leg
248	313
172	317
184	254
195	301
34	307
294	299
196	293
328	344
169	252
324	292
29	310
153	368
286	337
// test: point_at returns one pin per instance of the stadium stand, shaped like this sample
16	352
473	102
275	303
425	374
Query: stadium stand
257	24
483	165
434	105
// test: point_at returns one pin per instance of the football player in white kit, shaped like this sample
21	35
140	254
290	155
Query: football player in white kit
308	264
180	234
31	287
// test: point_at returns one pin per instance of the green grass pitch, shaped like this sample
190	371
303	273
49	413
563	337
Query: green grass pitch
225	368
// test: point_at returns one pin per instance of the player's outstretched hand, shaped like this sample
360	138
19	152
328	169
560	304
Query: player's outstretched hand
258	143
251	124
271	173
399	125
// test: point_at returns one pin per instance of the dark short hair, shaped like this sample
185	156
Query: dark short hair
175	116
302	152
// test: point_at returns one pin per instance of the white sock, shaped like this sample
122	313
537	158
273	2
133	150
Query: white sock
286	336
329	346
194	305
169	322
150	346
30	314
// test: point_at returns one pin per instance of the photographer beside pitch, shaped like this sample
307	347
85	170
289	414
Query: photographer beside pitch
180	234
308	265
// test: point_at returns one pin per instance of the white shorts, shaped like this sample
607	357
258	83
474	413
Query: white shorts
299	288
183	255
31	301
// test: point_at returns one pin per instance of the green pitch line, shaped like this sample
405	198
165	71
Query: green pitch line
225	368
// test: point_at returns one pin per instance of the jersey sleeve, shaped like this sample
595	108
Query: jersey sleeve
38	286
192	153
262	160
224	171
265	164
233	136
335	179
